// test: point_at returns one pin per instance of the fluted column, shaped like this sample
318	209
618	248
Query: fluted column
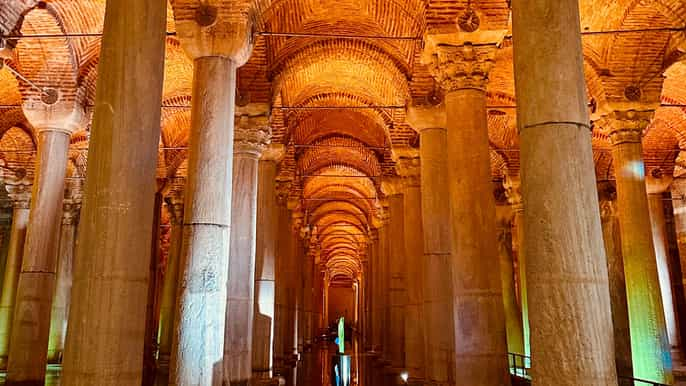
174	203
431	123
252	135
569	302
461	68
408	167
106	333
35	290
62	300
615	268
218	39
657	183
518	331
20	194
265	265
649	341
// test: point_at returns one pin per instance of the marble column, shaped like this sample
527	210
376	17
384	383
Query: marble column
106	333
263	344
571	342
280	289
198	348
461	68
60	305
252	135
35	289
408	167
174	202
657	184
615	268
430	122
519	332
397	286
649	341
20	194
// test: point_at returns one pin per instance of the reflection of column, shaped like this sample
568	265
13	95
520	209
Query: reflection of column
566	271
462	71
657	184
438	286
105	336
408	166
615	270
174	202
35	290
265	264
252	134
20	194
60	304
517	330
649	342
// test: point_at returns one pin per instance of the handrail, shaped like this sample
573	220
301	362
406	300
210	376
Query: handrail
520	364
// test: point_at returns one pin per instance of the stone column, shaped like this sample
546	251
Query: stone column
461	68
280	280
174	203
408	167
35	289
265	265
106	333
519	332
615	268
566	271
431	122
20	194
649	340
219	41
60	305
252	135
657	184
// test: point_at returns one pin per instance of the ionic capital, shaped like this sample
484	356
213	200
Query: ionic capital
462	60
626	126
19	192
215	28
252	131
427	117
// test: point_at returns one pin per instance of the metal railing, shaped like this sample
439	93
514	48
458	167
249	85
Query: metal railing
520	365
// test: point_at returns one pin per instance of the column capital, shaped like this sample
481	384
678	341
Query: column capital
513	191
54	112
274	153
626	126
608	209
70	213
252	133
427	117
657	182
462	60
20	193
408	167
215	28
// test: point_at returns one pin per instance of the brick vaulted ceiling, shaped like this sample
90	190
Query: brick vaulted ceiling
362	56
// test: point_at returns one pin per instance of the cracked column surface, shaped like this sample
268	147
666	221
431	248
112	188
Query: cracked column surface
252	135
20	194
571	339
461	66
106	331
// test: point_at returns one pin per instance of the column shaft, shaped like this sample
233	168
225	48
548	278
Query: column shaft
107	315
170	282
568	293
280	290
649	341
198	348
438	286
240	300
481	354
31	320
20	221
60	305
265	265
397	288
